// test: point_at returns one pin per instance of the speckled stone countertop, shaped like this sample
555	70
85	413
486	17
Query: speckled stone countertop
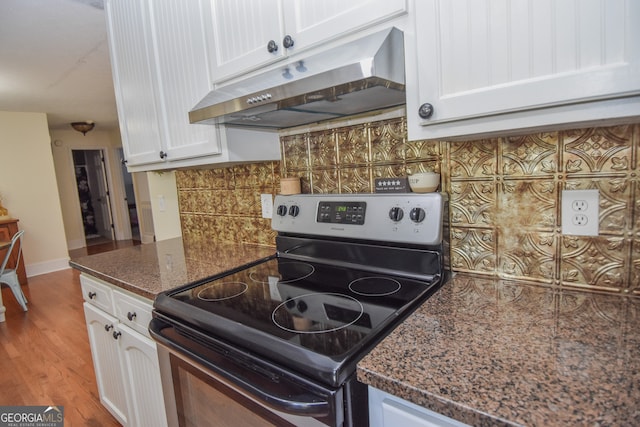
499	353
150	269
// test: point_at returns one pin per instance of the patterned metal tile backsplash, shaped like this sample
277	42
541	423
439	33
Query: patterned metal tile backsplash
505	196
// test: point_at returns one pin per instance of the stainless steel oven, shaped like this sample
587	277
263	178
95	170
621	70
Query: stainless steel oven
276	342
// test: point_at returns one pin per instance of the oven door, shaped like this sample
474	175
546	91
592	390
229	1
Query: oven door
217	384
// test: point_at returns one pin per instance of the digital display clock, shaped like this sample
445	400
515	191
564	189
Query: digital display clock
341	212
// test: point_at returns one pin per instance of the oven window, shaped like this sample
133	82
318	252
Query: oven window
201	400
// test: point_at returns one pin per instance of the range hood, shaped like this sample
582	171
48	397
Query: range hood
364	75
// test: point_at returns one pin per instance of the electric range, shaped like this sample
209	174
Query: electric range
346	270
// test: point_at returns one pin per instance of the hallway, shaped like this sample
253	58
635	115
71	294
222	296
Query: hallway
105	246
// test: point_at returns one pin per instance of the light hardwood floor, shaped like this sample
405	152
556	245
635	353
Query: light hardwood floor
44	353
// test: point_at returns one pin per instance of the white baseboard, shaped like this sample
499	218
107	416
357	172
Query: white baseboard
47	267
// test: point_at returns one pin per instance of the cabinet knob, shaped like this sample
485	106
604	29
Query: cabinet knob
425	111
163	155
131	316
116	334
92	295
287	41
108	327
272	46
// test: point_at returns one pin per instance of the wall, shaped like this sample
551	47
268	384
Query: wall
224	204
28	186
164	204
63	142
505	196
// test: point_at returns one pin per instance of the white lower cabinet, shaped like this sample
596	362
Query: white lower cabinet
142	376
386	410
124	356
106	361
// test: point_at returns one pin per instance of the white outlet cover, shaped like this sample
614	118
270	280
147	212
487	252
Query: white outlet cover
266	201
581	212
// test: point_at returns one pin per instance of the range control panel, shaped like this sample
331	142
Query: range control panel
404	218
341	212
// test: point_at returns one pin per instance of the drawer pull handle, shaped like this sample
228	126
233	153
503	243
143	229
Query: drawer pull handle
108	327
116	334
92	295
131	316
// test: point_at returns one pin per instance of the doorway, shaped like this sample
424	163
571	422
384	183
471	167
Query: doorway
93	194
130	197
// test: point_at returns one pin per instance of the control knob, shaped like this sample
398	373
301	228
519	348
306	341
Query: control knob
417	214
396	214
294	210
281	210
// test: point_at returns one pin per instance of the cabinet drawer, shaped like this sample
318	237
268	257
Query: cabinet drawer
96	293
132	311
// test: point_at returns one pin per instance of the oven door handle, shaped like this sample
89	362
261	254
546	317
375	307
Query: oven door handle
306	404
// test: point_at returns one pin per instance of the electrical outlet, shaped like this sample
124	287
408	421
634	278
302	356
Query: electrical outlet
579	205
266	201
580	219
580	212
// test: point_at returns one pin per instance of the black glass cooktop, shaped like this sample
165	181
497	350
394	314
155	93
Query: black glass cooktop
302	310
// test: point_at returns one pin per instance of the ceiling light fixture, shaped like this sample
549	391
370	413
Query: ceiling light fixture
83	127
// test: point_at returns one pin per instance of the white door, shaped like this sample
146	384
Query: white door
241	31
180	45
134	80
106	361
311	22
142	370
490	57
100	194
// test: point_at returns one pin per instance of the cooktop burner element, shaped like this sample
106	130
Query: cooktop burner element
222	291
294	271
375	286
317	313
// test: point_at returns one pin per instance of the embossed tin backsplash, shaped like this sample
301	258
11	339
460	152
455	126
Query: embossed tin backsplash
504	196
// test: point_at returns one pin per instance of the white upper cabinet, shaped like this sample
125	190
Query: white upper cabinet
241	33
183	78
248	34
159	59
133	78
487	66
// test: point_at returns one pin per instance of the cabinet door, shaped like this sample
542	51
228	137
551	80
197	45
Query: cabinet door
142	371
134	80
106	361
310	22
241	31
493	57
181	56
386	410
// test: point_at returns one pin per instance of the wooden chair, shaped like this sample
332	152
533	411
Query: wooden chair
9	276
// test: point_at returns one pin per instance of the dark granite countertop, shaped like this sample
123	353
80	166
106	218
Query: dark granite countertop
150	269
495	353
482	351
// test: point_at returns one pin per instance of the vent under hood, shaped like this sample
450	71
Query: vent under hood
360	76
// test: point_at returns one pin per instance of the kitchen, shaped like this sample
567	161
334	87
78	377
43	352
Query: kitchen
495	232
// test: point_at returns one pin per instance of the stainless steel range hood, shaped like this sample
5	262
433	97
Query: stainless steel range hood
361	76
